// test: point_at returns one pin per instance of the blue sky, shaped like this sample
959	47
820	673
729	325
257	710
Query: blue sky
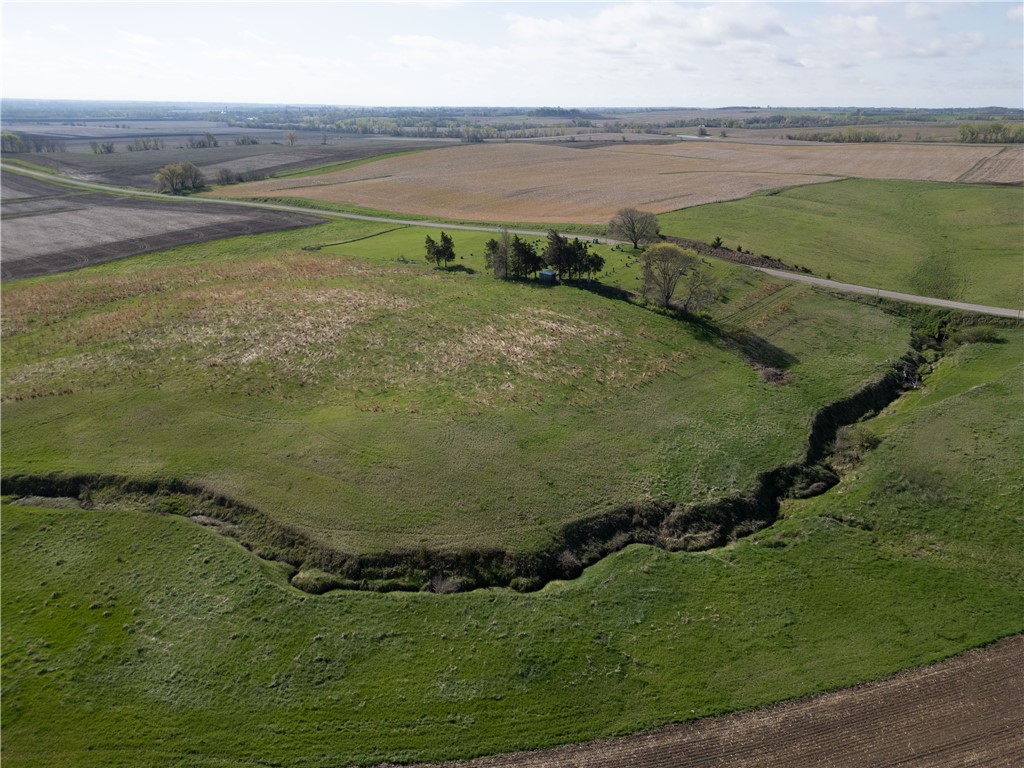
570	54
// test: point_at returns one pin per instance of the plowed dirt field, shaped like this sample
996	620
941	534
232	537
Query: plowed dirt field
49	228
963	712
545	183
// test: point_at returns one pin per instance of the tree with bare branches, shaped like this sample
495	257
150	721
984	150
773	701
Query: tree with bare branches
664	265
633	225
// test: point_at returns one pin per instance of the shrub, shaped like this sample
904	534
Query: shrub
978	335
180	177
852	443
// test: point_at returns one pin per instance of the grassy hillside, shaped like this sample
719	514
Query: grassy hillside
951	241
379	404
140	640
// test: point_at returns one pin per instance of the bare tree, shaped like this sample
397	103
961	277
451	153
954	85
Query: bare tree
664	265
291	137
635	226
699	289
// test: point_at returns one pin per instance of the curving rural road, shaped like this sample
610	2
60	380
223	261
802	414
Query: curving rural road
797	277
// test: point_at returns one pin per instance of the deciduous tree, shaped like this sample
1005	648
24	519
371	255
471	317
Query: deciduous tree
180	177
635	226
663	266
698	289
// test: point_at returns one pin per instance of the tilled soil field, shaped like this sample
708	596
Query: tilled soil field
963	712
48	228
137	169
545	183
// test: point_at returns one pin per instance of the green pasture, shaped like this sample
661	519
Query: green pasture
953	241
378	403
132	639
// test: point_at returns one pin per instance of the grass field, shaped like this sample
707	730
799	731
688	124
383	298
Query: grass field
135	640
952	241
335	381
544	183
367	398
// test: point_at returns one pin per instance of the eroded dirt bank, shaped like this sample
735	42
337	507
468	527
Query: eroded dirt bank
669	525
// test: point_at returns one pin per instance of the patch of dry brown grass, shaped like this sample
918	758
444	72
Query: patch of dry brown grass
50	302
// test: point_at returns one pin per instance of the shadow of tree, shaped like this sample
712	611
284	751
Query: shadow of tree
754	349
758	350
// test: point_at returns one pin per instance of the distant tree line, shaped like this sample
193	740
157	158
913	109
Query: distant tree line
15	142
846	136
997	132
145	144
207	141
228	176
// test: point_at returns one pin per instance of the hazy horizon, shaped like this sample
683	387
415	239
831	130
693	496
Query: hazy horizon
509	107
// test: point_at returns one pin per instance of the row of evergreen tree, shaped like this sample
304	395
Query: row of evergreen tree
511	257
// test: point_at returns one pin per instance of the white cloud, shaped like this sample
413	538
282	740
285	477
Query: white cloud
252	37
572	54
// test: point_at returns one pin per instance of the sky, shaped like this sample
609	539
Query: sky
567	54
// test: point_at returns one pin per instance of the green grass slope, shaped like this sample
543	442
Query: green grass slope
950	241
132	639
379	404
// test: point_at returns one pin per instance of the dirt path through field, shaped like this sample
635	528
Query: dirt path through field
966	711
819	281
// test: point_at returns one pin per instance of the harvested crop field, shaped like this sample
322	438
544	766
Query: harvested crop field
48	228
962	712
544	183
269	156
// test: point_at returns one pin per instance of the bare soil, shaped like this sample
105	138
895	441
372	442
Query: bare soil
136	169
966	711
48	228
534	182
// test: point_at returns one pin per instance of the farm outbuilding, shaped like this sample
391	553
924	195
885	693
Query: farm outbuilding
548	276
